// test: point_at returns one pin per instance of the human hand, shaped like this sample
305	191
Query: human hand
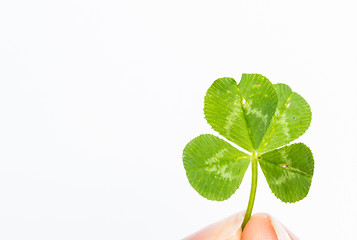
261	226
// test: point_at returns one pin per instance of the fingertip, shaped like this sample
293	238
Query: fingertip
259	227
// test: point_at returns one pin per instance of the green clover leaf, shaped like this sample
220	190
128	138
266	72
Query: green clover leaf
291	119
214	167
241	113
288	171
261	118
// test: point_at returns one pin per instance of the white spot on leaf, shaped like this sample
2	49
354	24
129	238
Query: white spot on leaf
283	125
279	181
258	113
215	158
234	114
221	171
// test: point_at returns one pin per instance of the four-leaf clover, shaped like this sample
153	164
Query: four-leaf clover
262	119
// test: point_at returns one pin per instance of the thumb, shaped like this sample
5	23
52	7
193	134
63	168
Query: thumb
261	226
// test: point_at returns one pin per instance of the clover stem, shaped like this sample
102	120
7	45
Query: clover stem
253	190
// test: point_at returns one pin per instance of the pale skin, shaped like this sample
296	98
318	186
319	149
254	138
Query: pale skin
261	226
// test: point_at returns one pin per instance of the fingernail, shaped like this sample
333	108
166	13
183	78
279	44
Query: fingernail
280	230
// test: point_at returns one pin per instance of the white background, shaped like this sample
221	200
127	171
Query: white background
99	98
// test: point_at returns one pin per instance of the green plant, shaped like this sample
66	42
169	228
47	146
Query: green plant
261	118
